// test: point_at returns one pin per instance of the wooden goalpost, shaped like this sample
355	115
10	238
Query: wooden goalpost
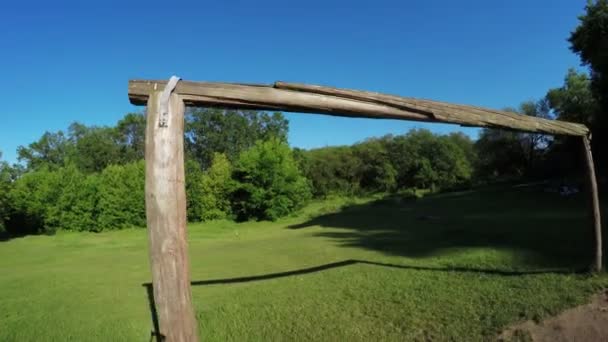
164	155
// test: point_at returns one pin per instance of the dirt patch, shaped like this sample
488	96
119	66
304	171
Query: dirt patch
585	323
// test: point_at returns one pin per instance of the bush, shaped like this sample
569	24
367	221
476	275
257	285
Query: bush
76	205
208	193
216	185
331	170
32	198
376	173
418	159
268	183
426	160
194	191
44	201
5	188
121	197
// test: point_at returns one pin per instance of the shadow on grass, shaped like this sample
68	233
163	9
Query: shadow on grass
12	235
5	236
156	335
542	230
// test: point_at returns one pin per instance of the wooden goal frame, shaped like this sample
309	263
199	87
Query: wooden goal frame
164	155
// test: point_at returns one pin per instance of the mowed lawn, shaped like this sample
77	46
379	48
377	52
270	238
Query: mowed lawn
457	266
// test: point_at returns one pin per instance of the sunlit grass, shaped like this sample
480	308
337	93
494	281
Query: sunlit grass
439	268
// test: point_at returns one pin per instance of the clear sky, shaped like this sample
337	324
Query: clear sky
62	62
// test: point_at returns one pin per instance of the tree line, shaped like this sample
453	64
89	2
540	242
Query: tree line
239	165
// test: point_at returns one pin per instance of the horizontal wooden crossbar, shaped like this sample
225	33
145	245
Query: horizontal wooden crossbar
304	98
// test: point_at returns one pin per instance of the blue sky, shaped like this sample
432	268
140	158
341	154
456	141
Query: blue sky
63	62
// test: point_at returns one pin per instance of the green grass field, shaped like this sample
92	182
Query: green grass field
457	266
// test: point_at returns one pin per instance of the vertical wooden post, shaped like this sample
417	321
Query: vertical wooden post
595	204
166	219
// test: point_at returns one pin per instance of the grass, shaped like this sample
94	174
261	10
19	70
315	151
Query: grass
457	266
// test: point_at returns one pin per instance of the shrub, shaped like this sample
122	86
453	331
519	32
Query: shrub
376	173
121	197
31	198
215	188
5	188
268	183
331	170
76	205
194	191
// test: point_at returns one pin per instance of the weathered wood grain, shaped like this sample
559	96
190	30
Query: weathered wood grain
293	97
595	204
269	98
166	220
449	112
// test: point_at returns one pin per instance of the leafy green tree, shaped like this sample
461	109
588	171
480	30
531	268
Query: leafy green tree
76	206
417	159
590	41
131	137
121	197
425	176
331	170
465	143
31	197
96	148
500	155
5	188
448	161
574	100
194	191
425	160
216	186
50	151
229	132
90	148
509	154
208	193
376	172
403	154
534	145
49	200
268	184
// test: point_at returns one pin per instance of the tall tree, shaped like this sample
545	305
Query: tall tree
51	150
121	201
32	198
267	182
590	41
229	132
95	148
573	101
131	136
330	170
376	172
534	145
506	154
500	155
5	187
216	186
